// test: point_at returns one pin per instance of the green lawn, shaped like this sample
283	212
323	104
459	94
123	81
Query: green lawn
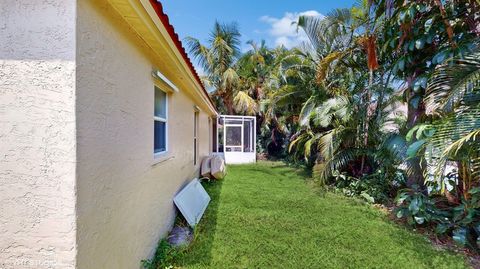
267	216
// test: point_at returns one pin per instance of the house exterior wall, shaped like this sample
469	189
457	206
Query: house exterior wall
37	134
125	196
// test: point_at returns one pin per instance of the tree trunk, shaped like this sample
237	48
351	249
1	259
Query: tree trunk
228	102
367	118
415	115
448	26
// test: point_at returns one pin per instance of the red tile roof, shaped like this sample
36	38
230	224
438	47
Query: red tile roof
171	31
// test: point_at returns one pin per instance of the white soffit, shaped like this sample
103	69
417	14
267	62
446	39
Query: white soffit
192	201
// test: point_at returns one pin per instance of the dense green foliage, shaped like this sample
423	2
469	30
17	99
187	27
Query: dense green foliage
382	102
268	216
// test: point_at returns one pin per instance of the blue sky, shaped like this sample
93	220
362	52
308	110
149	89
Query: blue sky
258	19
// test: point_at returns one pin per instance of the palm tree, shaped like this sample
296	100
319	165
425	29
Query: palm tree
344	123
218	58
253	69
289	84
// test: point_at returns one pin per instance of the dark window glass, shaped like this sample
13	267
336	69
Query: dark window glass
160	137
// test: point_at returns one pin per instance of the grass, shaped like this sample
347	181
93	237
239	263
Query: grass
267	216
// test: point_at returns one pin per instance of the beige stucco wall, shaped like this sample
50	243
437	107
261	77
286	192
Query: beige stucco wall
124	199
37	134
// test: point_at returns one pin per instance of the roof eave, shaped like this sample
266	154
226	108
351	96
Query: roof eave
158	7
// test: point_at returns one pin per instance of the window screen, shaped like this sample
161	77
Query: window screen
160	121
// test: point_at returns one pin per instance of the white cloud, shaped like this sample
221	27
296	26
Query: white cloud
284	31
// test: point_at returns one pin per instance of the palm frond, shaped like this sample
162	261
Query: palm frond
454	82
230	78
243	103
325	64
306	111
328	143
337	107
298	143
454	148
331	33
200	52
337	162
446	140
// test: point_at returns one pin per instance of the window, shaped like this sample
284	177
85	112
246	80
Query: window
160	121
195	137
214	135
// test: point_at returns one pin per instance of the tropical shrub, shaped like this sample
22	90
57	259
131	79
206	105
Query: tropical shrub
419	36
419	208
461	220
373	188
449	146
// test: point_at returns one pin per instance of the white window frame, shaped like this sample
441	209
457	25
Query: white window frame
160	154
196	123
